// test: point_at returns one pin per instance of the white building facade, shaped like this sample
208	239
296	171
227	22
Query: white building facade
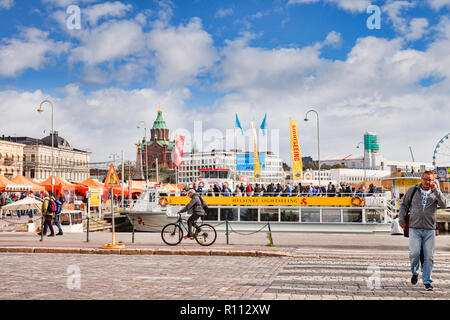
188	172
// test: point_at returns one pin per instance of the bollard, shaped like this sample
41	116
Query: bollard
132	238
226	224
269	235
42	228
87	230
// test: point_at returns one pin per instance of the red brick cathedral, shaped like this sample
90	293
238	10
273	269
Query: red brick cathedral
159	147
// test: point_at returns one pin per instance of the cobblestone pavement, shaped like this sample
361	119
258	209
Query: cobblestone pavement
55	276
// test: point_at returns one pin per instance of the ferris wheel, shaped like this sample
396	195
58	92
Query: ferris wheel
441	156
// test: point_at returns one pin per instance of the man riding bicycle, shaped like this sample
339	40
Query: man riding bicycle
198	206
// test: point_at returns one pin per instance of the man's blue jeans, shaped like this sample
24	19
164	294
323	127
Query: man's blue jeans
57	223
421	239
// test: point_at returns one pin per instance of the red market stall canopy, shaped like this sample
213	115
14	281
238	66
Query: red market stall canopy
86	184
36	187
92	183
59	183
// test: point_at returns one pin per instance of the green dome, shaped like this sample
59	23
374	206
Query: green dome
159	122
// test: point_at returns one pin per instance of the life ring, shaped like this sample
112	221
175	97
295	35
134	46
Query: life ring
201	184
356	201
163	201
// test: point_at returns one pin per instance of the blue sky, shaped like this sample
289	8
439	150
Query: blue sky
205	60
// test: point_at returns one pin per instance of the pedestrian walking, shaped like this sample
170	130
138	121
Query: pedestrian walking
421	203
47	214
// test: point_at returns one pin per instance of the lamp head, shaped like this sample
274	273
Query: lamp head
40	110
306	119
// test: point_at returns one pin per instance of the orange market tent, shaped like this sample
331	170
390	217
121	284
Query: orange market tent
36	187
92	183
3	182
60	185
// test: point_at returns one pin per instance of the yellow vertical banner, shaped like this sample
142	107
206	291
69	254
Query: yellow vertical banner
297	165
257	165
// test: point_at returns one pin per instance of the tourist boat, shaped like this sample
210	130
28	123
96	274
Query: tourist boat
154	209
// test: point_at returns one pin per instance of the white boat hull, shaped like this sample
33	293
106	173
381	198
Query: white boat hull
149	221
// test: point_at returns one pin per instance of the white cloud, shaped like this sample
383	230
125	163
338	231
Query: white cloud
410	28
108	9
32	49
438	4
417	28
6	4
348	5
221	13
108	42
181	53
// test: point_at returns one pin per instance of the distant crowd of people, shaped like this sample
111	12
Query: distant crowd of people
277	190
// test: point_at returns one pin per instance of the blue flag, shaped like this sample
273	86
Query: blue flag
238	124
264	125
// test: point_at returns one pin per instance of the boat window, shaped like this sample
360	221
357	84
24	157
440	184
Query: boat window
205	174
269	214
289	215
65	219
212	214
213	174
230	214
373	216
310	215
331	215
352	215
152	197
249	214
223	174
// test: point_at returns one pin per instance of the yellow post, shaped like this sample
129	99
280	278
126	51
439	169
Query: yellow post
113	245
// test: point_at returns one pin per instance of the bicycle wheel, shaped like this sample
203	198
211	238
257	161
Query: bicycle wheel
172	234
205	235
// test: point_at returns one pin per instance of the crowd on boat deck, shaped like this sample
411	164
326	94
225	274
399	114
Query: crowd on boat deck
277	190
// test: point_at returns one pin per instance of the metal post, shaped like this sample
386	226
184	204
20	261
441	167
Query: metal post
132	238
112	218
318	138
42	227
87	230
157	171
123	177
226	224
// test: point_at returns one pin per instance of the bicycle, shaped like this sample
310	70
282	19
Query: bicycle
172	233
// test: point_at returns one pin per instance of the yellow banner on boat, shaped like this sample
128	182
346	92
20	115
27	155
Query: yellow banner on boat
297	165
257	165
268	201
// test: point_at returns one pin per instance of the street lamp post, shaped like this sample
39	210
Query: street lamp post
318	138
40	110
146	153
364	162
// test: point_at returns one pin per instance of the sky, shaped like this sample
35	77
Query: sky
106	66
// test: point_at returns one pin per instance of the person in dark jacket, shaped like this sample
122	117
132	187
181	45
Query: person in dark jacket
196	204
421	203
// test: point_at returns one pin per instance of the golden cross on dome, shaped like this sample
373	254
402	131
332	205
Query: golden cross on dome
159	108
